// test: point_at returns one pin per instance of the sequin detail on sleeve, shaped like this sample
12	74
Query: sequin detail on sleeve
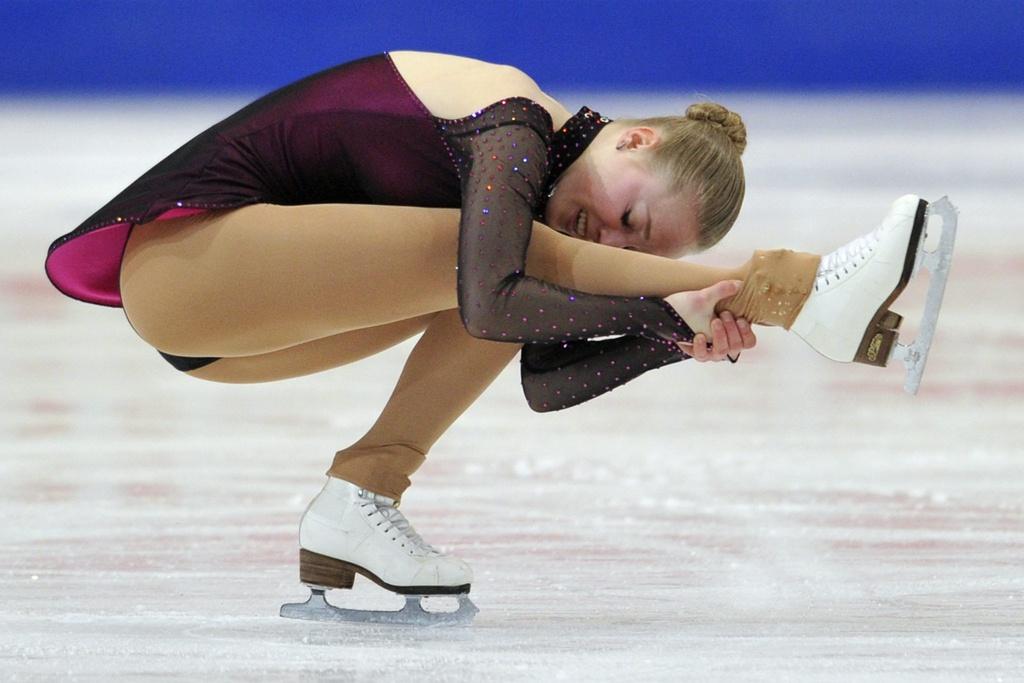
557	376
501	155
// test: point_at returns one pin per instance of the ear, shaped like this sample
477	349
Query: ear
638	137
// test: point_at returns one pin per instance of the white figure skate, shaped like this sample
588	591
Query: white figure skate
348	530
847	317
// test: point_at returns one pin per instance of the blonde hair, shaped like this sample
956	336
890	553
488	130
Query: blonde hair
701	152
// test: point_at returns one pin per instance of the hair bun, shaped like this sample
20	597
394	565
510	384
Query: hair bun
720	117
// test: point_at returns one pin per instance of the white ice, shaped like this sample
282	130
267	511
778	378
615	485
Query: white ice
786	518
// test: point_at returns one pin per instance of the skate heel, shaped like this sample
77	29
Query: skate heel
319	570
877	345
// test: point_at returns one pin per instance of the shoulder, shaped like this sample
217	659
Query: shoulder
452	87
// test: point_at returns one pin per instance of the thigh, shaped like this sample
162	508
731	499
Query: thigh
312	356
263	278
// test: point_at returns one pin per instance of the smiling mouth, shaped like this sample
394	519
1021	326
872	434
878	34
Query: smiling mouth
579	226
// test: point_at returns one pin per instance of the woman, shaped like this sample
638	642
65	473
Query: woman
397	194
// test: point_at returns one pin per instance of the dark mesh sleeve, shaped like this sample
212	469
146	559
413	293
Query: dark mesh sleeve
502	158
560	375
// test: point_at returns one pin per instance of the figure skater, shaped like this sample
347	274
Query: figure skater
412	192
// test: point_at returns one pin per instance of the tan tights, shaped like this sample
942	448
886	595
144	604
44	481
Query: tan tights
284	291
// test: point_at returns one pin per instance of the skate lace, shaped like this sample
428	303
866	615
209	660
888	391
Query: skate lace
846	259
393	520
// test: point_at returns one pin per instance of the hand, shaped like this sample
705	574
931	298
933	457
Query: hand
728	335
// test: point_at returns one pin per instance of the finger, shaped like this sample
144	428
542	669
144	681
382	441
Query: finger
749	339
732	332
721	342
700	347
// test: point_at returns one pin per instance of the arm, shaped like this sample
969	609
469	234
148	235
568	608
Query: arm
560	375
502	158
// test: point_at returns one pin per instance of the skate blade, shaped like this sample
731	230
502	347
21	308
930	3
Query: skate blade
915	354
316	608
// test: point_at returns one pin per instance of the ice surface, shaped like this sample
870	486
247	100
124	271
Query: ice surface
786	518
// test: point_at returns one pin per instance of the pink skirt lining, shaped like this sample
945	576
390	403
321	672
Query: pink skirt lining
88	267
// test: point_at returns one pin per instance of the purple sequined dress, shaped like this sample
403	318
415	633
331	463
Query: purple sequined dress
357	134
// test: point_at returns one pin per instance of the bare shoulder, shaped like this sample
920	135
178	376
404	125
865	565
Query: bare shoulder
451	86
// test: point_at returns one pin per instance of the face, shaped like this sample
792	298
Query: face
611	196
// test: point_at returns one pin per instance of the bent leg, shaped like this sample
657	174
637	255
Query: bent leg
446	372
775	283
263	278
273	289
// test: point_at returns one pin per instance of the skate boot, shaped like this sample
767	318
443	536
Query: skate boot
846	317
348	530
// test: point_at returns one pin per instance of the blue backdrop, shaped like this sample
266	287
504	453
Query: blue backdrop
146	45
